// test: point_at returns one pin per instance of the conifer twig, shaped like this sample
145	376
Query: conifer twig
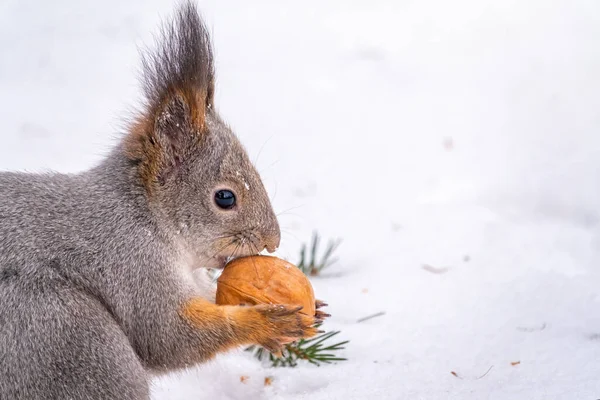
313	350
312	266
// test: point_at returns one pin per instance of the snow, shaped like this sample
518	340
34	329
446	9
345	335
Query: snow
459	135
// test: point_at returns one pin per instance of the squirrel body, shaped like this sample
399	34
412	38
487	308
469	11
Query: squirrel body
97	287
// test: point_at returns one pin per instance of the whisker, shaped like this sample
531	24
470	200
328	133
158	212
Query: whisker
287	214
237	247
275	195
253	242
290	209
223	248
229	235
285	231
213	240
261	149
253	261
273	163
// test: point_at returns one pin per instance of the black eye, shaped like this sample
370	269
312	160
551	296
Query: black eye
225	199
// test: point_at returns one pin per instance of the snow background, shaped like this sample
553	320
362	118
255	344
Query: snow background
349	108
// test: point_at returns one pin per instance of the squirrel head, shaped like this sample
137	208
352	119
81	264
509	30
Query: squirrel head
196	175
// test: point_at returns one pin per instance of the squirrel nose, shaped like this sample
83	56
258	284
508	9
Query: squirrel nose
272	242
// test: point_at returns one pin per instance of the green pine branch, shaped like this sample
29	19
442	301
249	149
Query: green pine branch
313	350
313	266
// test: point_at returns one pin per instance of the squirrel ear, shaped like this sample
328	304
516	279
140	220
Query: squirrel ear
160	141
177	128
178	82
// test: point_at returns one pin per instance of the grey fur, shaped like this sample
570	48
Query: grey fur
184	57
93	268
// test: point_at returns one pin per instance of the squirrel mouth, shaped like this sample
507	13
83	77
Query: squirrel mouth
219	262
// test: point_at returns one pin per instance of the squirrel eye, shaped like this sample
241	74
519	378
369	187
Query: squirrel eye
225	199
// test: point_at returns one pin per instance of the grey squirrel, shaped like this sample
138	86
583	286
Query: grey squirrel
97	288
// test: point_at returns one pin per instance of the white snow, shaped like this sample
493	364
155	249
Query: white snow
421	132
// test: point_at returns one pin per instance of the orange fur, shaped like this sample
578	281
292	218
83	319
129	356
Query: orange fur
266	325
143	147
196	101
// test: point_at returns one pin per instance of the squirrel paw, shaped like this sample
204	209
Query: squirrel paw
284	324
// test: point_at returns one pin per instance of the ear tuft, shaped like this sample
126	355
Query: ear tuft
178	82
182	64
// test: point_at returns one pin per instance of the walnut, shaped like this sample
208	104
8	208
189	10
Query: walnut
265	280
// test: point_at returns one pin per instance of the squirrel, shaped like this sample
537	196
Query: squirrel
97	285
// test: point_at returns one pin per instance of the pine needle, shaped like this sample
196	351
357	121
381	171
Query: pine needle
313	350
311	266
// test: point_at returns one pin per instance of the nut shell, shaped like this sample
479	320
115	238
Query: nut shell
265	280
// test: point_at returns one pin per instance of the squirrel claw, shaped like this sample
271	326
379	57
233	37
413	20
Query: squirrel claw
277	353
274	347
320	304
320	316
